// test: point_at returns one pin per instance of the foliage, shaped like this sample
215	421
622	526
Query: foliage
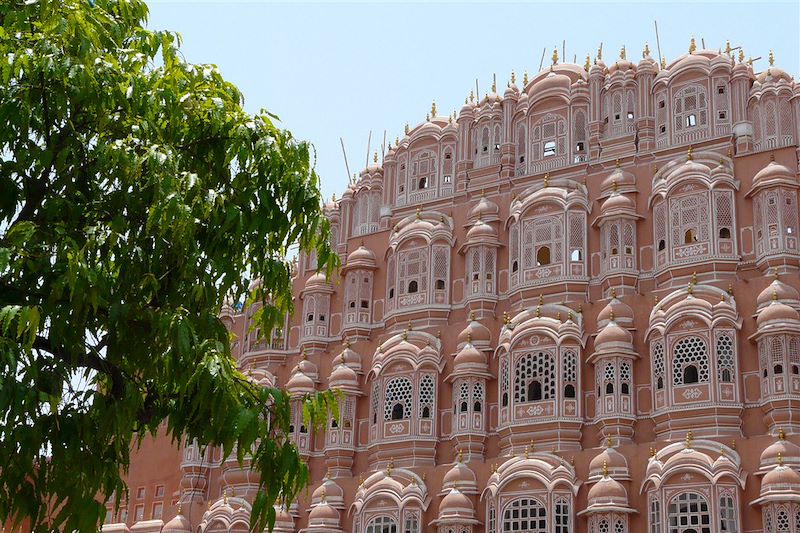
135	196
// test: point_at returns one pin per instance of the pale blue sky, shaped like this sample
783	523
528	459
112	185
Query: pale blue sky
333	70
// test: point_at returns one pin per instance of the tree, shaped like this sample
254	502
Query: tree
136	195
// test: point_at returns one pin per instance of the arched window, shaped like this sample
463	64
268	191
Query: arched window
397	411
426	395
543	256
725	359
562	516
525	515
569	391
609	388
412	286
534	391
690	361
382	524
690	236
689	513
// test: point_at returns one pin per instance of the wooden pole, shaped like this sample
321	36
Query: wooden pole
346	166
369	142
383	146
541	61
658	42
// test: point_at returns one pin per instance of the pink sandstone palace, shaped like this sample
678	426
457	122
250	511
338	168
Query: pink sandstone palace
570	307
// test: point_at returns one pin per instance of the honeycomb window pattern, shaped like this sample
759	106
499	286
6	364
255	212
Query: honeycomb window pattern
534	367
398	391
725	359
690	351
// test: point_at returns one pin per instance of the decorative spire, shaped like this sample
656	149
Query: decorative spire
554	57
527	452
569	316
741	55
460	455
694	278
780	459
622	52
390	466
375	157
600	52
781	434
541	299
617	163
730	289
525	78
652	452
690	154
771	58
513	77
613	289
692	45
605	468
225	497
609	441
613	185
406	128
547	179
469	337
728	48
180	509
774	295
471	96
538	312
433	109
646	51
323	496
558	316
663	63
427	117
688	439
419	213
587	64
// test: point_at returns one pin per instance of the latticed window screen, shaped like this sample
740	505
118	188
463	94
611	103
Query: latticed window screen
625	373
390	281
492	519
441	267
423	171
550	129
789	205
539	232
619	526
413	267
375	400
690	101
781	521
504	380
398	392
577	230
655	516
535	367
723	208
755	118
570	370
609	377
726	362
721	101
462	403
477	392
525	515
689	511
412	523
690	351
767	519
382	524
579	127
660	226
690	219
426	396
561	516
785	118
603	527
658	363
727	515
513	240
661	115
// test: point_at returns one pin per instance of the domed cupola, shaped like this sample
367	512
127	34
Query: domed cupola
782	451
622	312
323	517
480	251
299	384
610	461
179	524
469	377
455	511
361	257
485	210
786	294
330	491
460	476
349	357
479	335
776	314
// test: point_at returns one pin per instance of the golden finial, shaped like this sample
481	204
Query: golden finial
780	459
646	51
741	55
209	505
513	77
722	451
538	312
689	439
728	48
572	460
390	466
494	83
690	289
569	316
433	109
605	468
397	141
613	290
471	96
333	197
730	289
771	58
405	335
323	496
419	213
304	355
424	476
525	78
663	63
694	278
733	444
547	179
558	316
652	452
225	497
609	441
772	156
600	52
406	128
469	337
471	316
533	446
554	57
375	157
690	154
722	297
580	309
179	508
776	275
354	177
541	299
781	434
616	163
408	326
692	46
438	334
750	60
360	480
460	455
527	452
587	64
774	295
622	52
613	185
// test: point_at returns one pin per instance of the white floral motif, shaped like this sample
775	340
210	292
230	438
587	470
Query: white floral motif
396	428
534	410
692	394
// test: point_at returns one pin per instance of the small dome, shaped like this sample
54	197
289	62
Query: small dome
774	75
780	450
469	357
322	513
318	280
620	177
776	312
610	458
773	171
621	311
474	332
349	357
361	256
300	384
607	490
612	334
459	476
485	209
329	490
783	291
551	81
781	477
621	65
617	202
481	231
343	377
454	502
179	524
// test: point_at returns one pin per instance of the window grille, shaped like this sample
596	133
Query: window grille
726	365
690	351
534	367
689	512
525	515
658	364
727	515
398	392
426	396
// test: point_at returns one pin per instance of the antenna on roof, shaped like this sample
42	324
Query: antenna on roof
658	42
541	61
383	147
369	142
346	166
477	92
703	43
564	49
575	58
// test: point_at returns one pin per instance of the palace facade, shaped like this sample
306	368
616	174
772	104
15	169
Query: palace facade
570	307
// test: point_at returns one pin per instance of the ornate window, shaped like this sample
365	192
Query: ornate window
413	271
549	143
655	516
570	374
315	315
580	147
382	524
358	297
426	390
561	517
397	401
525	515
534	378
411	523
480	270
689	513
690	108
658	364
504	383
727	515
423	171
726	366
690	361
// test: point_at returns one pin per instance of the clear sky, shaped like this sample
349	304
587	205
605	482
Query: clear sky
331	70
